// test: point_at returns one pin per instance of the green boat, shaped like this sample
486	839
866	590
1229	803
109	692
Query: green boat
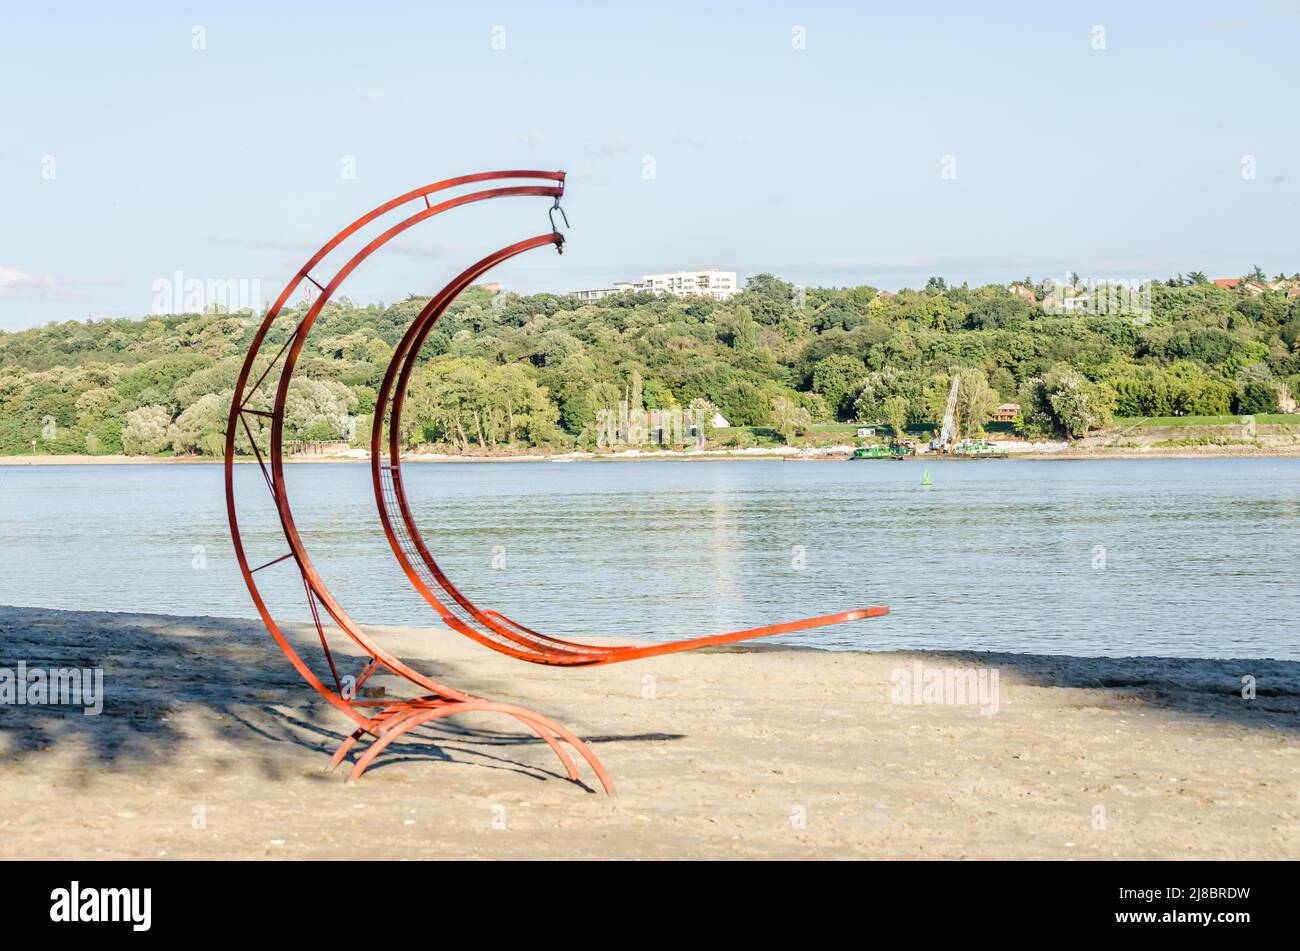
881	452
980	449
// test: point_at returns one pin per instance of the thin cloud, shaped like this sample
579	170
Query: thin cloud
21	284
531	138
376	97
612	145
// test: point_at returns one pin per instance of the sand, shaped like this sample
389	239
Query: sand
209	746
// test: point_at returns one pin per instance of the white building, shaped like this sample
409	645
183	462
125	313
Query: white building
706	283
709	283
596	293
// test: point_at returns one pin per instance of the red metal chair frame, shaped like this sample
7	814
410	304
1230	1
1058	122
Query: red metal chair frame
385	720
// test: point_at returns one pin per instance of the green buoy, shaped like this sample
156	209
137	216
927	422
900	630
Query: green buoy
925	478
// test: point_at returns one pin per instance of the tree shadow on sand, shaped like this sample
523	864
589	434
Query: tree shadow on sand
1245	691
158	668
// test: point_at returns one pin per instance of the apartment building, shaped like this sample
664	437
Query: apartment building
705	283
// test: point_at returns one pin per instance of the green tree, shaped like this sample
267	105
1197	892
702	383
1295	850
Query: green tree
744	403
1063	401
1256	396
838	379
319	410
450	404
789	419
201	428
877	389
976	401
521	411
896	415
145	433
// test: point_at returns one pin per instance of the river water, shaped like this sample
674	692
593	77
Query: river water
1193	558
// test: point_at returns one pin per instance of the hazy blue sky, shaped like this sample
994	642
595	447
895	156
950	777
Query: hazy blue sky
822	164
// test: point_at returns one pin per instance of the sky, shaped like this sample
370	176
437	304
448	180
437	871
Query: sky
828	143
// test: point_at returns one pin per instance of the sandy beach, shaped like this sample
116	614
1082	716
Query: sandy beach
209	746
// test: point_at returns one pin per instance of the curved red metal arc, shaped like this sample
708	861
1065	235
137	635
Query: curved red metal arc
397	718
541	725
386	478
491	628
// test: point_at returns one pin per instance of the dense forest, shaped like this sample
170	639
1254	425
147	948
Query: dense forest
505	370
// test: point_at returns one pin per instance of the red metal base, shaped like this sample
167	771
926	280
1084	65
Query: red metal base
397	719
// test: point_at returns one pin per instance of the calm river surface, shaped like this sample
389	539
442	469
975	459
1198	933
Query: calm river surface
1195	558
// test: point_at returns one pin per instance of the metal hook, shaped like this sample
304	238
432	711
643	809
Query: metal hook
551	214
559	245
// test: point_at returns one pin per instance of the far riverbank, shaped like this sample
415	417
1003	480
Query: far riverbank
793	453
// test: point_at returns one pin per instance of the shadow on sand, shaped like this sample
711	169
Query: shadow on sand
156	667
1207	688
